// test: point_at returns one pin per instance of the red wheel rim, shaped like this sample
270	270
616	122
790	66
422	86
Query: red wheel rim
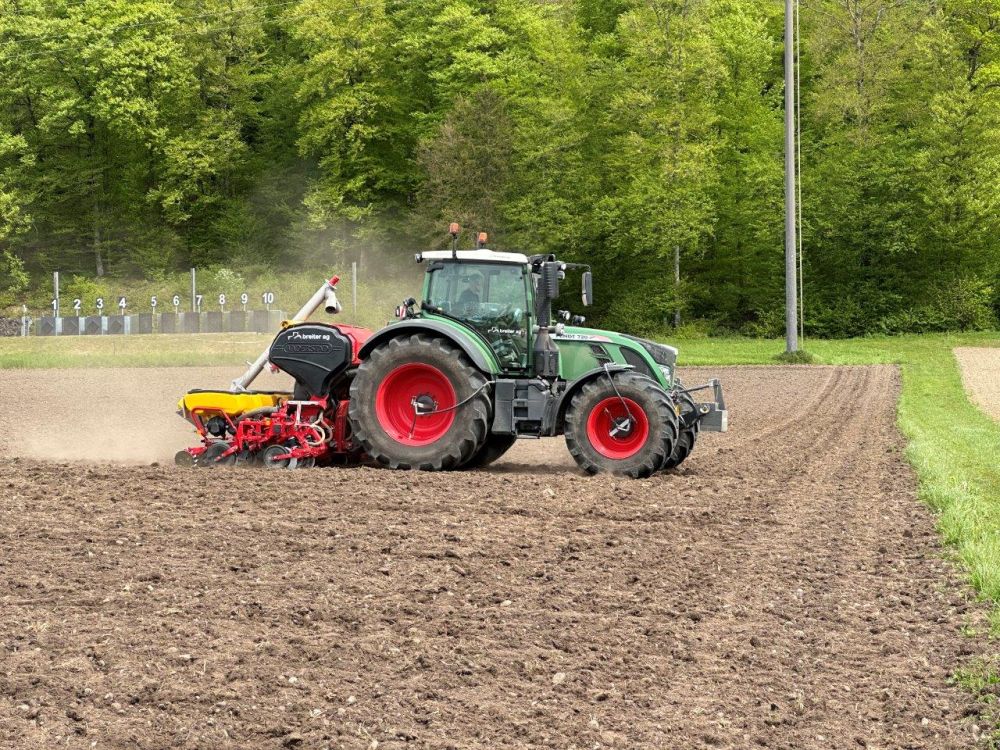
394	404
611	430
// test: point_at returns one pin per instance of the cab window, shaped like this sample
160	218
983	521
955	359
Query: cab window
489	297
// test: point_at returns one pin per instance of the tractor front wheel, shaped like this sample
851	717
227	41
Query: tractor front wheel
622	424
688	435
418	403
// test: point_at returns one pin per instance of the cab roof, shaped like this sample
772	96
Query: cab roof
484	255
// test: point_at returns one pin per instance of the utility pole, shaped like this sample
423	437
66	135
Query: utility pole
791	234
677	286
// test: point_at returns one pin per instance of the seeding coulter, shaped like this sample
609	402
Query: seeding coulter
454	381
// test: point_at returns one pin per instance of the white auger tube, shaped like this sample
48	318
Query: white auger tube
325	296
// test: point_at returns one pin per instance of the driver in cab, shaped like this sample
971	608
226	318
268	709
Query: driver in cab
469	299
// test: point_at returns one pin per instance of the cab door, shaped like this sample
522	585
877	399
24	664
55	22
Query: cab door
492	299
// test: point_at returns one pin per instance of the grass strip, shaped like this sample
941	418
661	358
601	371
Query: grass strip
156	350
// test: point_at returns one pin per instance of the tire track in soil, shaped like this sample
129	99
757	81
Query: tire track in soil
814	588
799	411
783	589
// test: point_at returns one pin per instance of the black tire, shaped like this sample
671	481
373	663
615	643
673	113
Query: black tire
688	435
463	436
494	447
682	449
640	459
244	458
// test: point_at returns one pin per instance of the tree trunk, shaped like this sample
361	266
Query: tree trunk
677	286
97	246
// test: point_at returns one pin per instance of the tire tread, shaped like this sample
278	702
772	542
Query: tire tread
647	461
457	449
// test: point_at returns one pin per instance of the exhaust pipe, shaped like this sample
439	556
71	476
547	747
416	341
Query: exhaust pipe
325	296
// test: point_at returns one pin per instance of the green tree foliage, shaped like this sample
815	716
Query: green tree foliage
140	136
901	195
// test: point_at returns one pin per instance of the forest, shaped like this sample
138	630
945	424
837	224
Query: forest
141	137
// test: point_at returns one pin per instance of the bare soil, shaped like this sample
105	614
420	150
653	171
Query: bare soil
981	375
783	589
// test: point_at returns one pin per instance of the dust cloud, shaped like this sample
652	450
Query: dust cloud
106	415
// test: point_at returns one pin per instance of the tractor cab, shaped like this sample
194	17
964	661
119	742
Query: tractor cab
504	299
489	292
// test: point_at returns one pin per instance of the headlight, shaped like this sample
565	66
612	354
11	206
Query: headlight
667	374
662	354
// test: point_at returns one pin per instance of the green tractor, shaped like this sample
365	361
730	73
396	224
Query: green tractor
483	362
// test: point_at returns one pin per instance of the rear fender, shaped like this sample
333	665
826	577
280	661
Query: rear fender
486	364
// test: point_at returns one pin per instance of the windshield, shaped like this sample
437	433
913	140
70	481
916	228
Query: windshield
491	298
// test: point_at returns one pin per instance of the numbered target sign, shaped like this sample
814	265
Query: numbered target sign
55	305
244	298
222	300
77	304
122	304
152	301
100	303
268	298
197	300
176	300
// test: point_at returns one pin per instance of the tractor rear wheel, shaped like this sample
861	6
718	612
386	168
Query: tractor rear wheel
688	435
683	448
418	403
625	424
494	447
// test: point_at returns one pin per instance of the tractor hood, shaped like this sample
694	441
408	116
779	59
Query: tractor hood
648	355
662	354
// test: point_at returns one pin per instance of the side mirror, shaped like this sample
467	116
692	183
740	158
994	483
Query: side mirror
588	288
405	310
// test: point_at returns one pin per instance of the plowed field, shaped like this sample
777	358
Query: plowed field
783	589
981	374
